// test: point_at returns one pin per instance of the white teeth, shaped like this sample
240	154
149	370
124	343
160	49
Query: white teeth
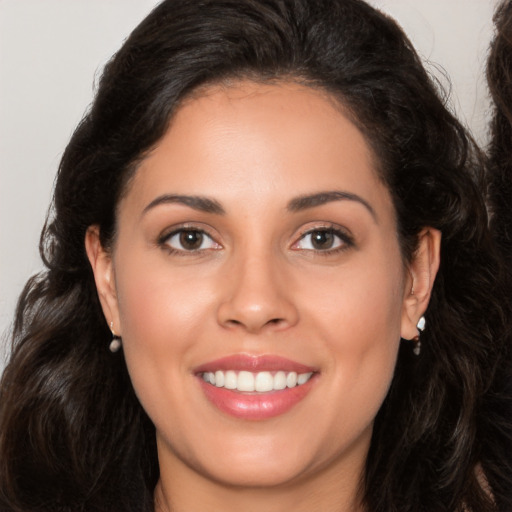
230	380
261	382
245	381
291	379
264	382
303	378
280	380
219	379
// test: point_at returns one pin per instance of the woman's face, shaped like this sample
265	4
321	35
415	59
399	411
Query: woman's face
256	245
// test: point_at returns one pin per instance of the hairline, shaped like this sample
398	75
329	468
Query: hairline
236	79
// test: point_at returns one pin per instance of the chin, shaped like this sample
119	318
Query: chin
264	473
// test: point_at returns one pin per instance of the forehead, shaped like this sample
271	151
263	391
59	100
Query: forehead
268	140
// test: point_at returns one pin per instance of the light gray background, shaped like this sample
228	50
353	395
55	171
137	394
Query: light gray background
52	51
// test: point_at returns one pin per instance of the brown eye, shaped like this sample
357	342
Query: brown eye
325	240
190	240
322	240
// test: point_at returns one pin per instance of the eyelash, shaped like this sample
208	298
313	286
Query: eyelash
163	241
345	240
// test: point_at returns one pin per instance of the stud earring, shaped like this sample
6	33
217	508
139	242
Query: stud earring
115	344
416	340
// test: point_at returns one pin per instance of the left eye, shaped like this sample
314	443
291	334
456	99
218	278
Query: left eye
190	240
321	240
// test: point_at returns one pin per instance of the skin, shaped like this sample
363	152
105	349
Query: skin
258	286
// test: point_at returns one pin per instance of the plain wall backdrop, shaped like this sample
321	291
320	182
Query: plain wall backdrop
52	51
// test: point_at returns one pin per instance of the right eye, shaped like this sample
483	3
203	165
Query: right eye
189	240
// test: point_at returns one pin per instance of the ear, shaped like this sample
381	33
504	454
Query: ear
422	272
103	270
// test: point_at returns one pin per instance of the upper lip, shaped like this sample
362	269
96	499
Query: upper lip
254	363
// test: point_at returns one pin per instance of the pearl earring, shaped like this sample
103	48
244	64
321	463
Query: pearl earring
416	340
115	344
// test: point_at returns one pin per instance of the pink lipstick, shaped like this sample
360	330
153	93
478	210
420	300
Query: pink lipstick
255	387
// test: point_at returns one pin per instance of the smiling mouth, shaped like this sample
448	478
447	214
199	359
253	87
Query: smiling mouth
260	382
255	387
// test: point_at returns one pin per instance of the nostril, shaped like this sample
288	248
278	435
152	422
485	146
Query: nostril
234	322
256	326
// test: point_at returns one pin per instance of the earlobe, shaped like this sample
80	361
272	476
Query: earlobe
422	273
100	260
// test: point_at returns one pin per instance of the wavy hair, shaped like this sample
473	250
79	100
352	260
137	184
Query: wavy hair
73	436
499	78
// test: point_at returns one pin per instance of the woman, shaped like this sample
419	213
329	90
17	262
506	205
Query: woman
265	202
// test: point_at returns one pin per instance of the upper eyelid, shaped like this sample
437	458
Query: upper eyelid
171	231
335	228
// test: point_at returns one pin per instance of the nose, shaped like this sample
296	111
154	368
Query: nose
256	296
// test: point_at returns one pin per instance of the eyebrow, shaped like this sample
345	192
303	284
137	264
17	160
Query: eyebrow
203	204
320	198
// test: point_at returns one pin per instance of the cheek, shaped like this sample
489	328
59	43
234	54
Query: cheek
358	307
161	314
357	319
154	299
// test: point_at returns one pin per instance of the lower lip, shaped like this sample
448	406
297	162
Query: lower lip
255	406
